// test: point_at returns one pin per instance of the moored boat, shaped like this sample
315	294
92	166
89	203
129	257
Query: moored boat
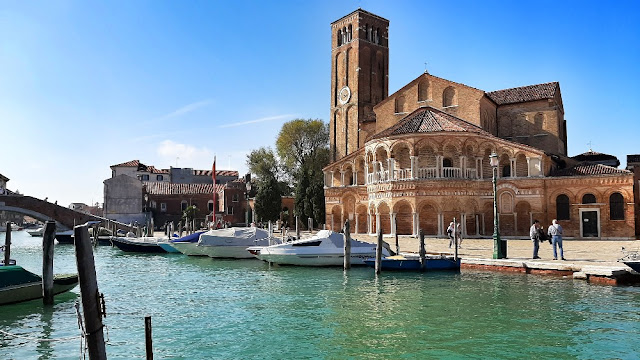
169	245
232	242
65	237
18	284
326	248
142	244
412	262
36	232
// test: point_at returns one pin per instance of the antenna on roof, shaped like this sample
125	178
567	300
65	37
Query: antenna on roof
425	68
589	143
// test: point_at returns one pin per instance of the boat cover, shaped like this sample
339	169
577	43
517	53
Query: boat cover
338	239
235	234
189	238
16	275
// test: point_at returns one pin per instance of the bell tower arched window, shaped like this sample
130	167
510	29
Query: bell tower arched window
339	36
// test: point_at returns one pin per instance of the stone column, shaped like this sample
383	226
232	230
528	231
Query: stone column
342	172
369	223
326	185
463	167
440	220
438	166
414	167
528	166
480	169
463	224
355	231
416	224
393	223
331	181
354	178
391	163
512	164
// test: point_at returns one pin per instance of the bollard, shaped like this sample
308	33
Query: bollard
347	245
47	262
378	264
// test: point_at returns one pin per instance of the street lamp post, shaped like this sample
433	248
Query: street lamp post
499	246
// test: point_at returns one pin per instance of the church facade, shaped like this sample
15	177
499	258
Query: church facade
420	157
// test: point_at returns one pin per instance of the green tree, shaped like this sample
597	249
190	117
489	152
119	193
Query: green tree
189	213
268	200
264	164
303	146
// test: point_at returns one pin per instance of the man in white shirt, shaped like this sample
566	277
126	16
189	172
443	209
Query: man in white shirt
555	232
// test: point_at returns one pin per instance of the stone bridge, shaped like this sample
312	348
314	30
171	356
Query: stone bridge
65	218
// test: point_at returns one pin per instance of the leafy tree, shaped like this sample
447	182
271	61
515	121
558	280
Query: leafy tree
303	146
268	200
264	164
189	213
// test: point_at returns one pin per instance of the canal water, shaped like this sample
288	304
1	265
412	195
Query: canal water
211	309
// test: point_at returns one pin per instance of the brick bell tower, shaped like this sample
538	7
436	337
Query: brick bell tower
359	78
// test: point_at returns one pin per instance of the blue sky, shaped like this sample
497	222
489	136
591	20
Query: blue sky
87	84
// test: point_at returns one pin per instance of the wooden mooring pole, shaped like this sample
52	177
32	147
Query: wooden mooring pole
422	251
455	239
91	306
7	245
378	264
395	227
347	245
47	262
297	229
310	224
147	337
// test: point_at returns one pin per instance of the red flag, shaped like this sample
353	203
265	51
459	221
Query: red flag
213	176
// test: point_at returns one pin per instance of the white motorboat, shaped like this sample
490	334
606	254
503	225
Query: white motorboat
326	248
36	232
14	227
232	242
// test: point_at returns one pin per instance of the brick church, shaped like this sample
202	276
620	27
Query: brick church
420	157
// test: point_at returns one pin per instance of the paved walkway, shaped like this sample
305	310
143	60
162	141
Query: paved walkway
579	252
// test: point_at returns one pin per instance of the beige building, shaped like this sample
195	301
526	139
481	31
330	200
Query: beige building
418	158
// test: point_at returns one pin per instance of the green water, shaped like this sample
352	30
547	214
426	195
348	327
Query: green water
206	309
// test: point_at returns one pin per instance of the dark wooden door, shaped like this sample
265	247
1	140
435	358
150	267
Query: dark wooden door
590	224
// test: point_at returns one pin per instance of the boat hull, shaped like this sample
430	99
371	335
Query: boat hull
137	246
169	248
312	259
226	252
413	263
188	248
30	285
635	265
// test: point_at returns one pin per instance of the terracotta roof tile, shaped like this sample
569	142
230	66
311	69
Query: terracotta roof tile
593	156
165	188
586	169
153	170
132	163
218	173
429	120
524	93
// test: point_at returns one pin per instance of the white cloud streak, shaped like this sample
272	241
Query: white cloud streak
186	109
269	118
189	155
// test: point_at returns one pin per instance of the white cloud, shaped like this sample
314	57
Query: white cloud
186	109
269	118
185	155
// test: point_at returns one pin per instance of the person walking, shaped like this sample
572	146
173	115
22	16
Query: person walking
534	234
555	232
450	232
459	235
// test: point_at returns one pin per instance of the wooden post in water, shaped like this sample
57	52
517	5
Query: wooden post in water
7	245
297	229
310	224
422	251
455	239
395	225
47	262
347	245
378	263
147	337
89	293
